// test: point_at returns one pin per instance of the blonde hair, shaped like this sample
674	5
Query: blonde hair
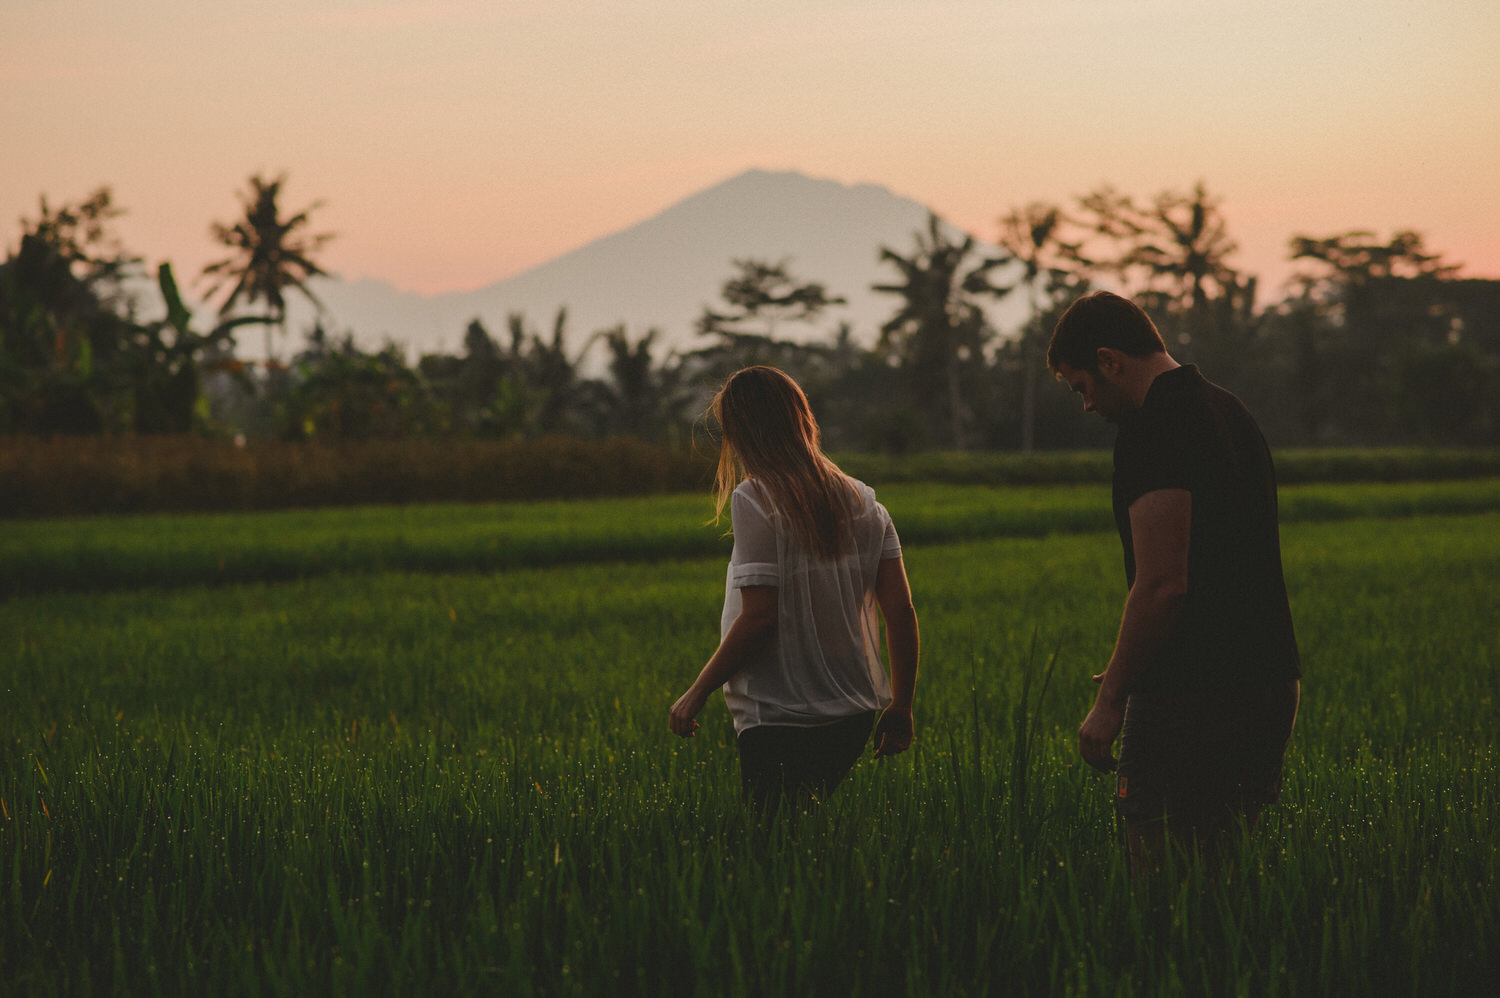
769	434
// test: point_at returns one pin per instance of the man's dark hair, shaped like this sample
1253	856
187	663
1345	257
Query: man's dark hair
1102	319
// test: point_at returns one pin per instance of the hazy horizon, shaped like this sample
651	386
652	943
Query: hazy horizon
457	144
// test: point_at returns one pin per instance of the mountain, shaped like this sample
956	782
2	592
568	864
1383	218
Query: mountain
661	272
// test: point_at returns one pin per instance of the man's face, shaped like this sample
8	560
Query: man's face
1100	394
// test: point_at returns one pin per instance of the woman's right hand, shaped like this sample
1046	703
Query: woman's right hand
684	713
894	731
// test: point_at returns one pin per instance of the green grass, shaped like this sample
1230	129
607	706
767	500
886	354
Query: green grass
103	553
391	782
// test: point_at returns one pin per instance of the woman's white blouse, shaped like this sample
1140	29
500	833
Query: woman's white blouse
822	659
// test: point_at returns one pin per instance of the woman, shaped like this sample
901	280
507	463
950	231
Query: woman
815	556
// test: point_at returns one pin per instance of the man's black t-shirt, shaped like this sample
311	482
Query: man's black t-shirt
1235	627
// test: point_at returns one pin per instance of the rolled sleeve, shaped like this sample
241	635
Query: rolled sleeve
890	545
754	561
753	574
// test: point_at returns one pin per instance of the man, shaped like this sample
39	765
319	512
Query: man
1204	675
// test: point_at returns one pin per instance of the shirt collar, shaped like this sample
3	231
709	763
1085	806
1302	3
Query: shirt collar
1171	383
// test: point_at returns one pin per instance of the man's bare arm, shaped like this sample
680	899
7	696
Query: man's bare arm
1160	528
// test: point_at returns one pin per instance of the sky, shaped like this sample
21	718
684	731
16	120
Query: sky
449	144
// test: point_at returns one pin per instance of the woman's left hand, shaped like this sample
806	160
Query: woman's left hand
684	711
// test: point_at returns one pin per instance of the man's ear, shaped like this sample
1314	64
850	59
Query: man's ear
1109	361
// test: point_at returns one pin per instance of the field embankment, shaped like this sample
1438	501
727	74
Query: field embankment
96	476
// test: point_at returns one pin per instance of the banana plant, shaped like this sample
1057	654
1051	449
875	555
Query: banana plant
169	361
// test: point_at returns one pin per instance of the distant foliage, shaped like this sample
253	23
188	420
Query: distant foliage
1375	342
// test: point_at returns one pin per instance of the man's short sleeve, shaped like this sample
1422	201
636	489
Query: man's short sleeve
754	561
1150	454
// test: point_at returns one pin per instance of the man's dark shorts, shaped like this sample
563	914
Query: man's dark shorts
1203	756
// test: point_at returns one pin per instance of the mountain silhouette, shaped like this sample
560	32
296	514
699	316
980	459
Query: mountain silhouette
663	271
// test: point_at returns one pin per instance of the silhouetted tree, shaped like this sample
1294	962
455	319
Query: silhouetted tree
642	398
271	255
481	386
764	294
1380	331
762	297
546	381
940	330
1187	244
165	363
1109	226
66	321
1034	236
1172	257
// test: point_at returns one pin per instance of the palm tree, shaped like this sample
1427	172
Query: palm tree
1370	309
169	360
642	398
1192	251
1174	255
271	255
764	294
548	378
939	327
1033	235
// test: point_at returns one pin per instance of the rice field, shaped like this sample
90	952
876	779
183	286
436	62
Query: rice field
405	759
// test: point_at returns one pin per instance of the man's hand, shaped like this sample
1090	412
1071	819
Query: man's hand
1160	528
893	732
1099	731
684	711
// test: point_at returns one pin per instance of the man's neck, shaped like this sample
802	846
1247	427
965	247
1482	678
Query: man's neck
1143	371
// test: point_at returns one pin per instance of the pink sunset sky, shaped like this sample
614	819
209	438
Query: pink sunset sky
457	143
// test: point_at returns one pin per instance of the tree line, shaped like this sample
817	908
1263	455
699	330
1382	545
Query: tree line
1375	340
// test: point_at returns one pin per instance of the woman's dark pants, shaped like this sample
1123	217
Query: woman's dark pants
779	761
